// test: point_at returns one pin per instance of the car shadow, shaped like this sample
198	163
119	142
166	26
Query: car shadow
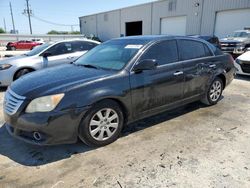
242	77
30	155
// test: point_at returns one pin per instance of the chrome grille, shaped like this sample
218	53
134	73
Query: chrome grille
12	102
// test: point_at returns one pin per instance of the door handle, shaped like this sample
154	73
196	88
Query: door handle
70	57
178	73
212	66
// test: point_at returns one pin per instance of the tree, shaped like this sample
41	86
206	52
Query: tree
1	30
54	32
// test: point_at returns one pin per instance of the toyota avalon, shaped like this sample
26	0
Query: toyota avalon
116	83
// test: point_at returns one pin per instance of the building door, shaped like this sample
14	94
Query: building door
133	28
231	20
174	25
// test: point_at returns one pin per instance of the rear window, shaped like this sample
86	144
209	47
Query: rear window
190	49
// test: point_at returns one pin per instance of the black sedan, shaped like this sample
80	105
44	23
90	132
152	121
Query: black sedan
114	84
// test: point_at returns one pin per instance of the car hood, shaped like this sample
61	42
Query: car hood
54	80
233	39
245	57
15	59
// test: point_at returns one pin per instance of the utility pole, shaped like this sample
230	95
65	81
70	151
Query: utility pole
4	23
29	12
14	29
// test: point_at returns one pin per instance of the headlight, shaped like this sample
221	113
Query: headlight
44	104
5	66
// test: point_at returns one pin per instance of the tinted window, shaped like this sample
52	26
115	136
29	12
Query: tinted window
191	49
164	52
207	51
83	46
61	48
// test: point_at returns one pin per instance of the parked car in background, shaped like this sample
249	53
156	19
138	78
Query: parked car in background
118	82
22	45
238	43
210	38
46	55
40	40
242	63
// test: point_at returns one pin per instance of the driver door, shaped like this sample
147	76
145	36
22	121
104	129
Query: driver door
154	90
59	54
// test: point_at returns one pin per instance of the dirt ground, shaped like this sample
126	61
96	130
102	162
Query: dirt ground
193	146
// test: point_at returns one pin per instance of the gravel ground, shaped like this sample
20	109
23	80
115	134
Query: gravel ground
193	146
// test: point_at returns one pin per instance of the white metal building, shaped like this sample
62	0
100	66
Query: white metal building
177	17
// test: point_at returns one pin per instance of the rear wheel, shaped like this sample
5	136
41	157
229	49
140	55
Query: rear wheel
102	124
21	73
214	92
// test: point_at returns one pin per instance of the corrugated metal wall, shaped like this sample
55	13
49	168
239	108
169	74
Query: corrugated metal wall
213	6
201	17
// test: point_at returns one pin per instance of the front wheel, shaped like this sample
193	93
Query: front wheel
102	124
214	92
21	73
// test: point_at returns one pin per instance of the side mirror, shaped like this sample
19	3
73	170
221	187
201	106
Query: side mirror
147	64
46	54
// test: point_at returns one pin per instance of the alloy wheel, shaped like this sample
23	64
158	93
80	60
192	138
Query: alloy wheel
215	91
104	124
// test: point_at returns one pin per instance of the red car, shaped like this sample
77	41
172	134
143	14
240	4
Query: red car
24	44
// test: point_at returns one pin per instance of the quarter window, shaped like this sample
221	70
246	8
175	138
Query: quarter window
163	52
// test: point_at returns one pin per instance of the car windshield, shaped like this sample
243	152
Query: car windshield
240	34
112	55
38	49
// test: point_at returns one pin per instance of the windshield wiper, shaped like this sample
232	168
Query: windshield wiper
88	66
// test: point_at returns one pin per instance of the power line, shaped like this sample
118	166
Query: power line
53	23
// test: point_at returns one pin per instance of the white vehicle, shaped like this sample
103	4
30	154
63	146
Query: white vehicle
43	56
242	63
40	40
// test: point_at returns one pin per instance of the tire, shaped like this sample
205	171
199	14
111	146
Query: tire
214	92
96	129
13	48
21	73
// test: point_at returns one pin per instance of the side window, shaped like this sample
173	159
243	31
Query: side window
83	46
61	48
164	52
190	49
207	51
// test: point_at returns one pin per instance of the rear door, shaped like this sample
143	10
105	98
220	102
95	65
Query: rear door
152	89
198	66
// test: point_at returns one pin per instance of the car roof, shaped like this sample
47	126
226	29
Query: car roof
77	39
151	38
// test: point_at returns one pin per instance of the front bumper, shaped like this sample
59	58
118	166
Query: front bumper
6	76
54	127
239	70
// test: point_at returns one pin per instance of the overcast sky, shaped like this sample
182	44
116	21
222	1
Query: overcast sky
57	11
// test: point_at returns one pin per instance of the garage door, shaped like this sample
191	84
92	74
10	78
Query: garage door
229	21
174	25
